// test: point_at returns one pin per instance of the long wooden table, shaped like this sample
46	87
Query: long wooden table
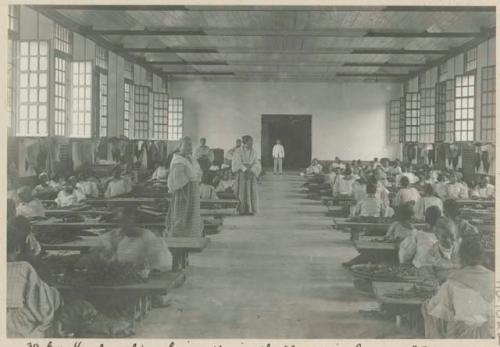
475	202
180	247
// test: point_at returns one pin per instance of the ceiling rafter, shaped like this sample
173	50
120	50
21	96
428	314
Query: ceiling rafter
251	50
249	32
273	8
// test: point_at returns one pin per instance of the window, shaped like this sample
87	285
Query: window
464	107
103	104
488	103
449	126
128	70
14	18
81	96
149	77
402	113
33	72
60	95
127	97
175	118
440	111
427	115
63	39
394	114
141	112
11	82
442	71
412	115
470	59
160	116
101	57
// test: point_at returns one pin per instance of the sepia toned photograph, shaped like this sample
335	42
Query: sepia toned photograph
250	172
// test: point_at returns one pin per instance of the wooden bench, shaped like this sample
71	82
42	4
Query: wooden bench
182	246
400	306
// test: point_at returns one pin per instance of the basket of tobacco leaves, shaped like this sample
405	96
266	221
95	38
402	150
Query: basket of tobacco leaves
365	274
85	272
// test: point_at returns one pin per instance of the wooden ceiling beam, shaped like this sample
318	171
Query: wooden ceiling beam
199	73
249	50
214	8
158	62
248	32
358	74
387	65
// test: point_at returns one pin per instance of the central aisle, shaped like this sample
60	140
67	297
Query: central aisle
275	275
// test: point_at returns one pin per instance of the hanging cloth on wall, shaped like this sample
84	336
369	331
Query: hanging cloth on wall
143	157
102	149
31	151
454	157
477	158
429	154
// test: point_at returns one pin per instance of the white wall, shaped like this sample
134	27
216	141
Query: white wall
348	119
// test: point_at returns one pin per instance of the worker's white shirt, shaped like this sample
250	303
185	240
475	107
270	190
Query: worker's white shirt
457	191
278	151
487	192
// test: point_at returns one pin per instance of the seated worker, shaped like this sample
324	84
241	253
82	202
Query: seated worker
337	164
31	303
226	183
160	173
429	199
462	308
31	248
436	247
402	227
370	206
118	185
87	187
46	190
315	168
406	193
359	192
135	245
343	185
29	206
333	176
80	195
440	187
483	190
455	189
207	190
412	178
462	227
67	197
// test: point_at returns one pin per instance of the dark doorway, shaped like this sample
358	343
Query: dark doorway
294	132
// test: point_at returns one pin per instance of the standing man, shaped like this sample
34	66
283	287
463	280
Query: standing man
278	155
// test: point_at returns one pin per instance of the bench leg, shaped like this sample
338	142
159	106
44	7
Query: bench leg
175	260
184	259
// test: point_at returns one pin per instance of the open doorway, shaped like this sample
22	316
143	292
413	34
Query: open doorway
294	132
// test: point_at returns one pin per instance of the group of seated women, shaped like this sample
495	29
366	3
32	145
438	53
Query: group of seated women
34	306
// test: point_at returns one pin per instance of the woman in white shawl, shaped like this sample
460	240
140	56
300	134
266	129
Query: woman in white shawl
247	168
463	307
183	219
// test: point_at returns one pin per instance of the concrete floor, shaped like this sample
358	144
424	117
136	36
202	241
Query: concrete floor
274	275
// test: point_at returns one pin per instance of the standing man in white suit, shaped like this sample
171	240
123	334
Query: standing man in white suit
278	155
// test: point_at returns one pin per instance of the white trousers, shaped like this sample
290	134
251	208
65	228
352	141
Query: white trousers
278	165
